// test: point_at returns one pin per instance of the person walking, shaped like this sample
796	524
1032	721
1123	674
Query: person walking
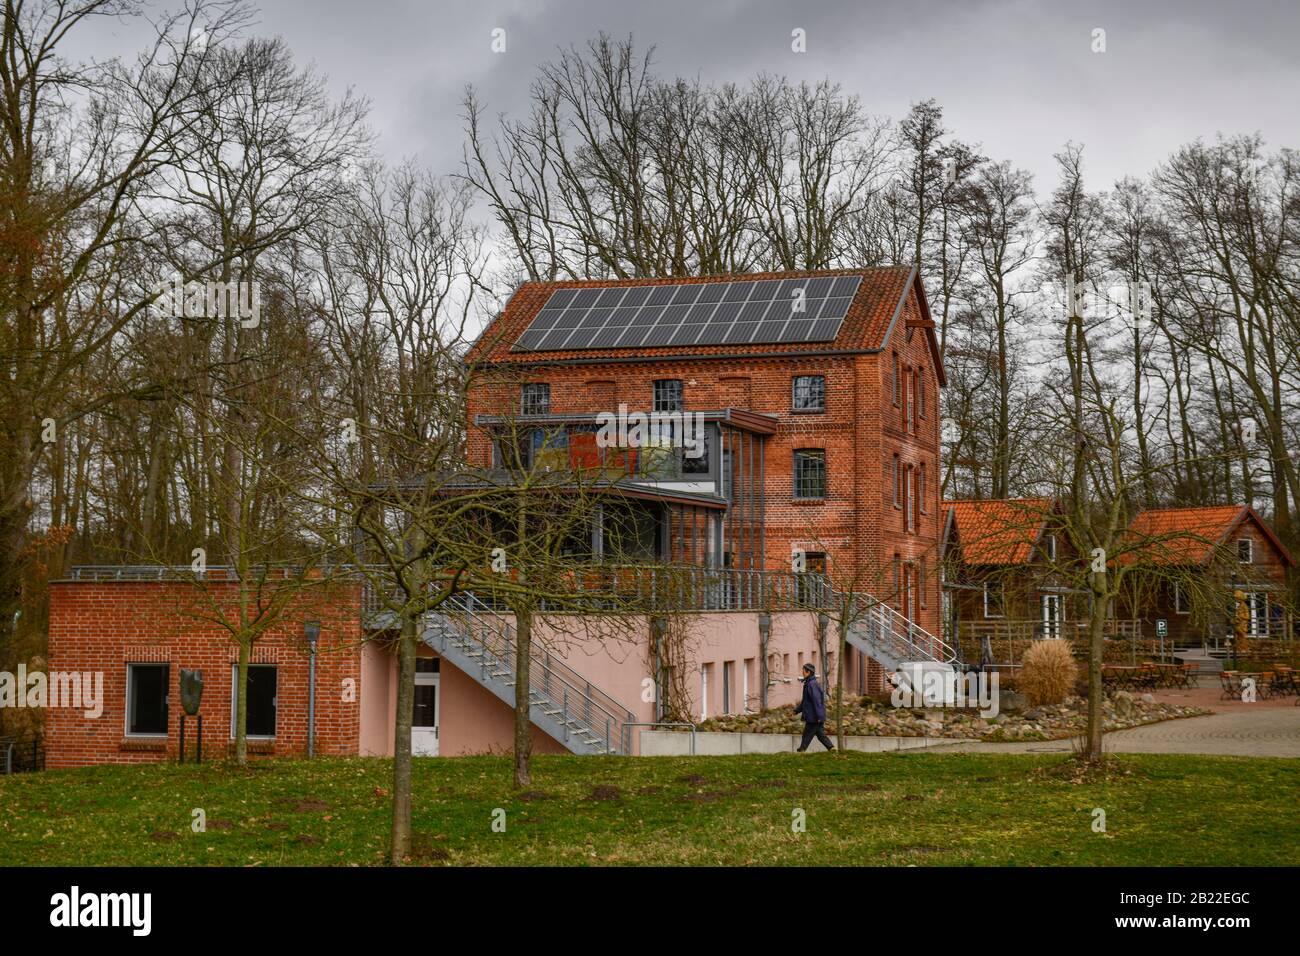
813	710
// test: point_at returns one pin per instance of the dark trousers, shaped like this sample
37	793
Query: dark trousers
815	730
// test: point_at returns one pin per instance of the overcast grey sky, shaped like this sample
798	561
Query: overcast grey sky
1018	77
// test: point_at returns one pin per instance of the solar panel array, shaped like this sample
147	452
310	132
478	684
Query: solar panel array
698	313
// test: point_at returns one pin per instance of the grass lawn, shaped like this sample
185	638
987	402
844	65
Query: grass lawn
861	809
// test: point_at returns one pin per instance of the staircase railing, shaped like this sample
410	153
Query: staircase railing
894	633
550	679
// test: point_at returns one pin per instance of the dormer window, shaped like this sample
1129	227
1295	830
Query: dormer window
1245	550
1049	547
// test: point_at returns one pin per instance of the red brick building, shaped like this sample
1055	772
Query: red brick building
830	438
816	397
139	633
1207	555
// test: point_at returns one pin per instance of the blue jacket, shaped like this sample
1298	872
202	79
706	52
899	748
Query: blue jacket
813	706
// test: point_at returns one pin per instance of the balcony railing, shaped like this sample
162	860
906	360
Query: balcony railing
633	589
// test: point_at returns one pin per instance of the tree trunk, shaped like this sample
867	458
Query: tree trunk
1096	642
241	702
523	701
401	836
839	686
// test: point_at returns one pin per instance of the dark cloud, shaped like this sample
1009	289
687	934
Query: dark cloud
1019	77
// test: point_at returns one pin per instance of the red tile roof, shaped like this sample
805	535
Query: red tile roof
999	531
1190	535
870	316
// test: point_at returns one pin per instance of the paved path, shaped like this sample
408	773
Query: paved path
1241	731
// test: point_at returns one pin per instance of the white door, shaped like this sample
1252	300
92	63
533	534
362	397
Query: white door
424	722
1051	615
1258	603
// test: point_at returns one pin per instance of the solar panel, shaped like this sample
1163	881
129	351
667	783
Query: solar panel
762	311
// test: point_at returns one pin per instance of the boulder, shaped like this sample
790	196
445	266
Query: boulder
1012	701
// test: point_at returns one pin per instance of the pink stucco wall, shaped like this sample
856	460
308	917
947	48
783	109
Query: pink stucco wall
614	656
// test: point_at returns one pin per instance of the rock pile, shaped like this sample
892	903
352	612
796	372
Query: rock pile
869	718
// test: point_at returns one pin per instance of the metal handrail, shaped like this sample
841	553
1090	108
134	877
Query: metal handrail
549	677
887	627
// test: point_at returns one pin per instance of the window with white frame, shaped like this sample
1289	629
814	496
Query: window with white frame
147	688
1246	550
994	599
1257	601
1049	547
1181	603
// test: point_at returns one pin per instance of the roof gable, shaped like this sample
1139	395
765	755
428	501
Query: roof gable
872	315
999	531
1191	535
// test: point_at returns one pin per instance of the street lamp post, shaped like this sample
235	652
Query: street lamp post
311	630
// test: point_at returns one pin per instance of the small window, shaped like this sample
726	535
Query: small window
1049	546
146	699
994	599
809	473
668	395
909	515
920	392
920	584
535	399
1245	550
809	393
920	488
909	396
897	477
1181	603
808	590
894	383
261	699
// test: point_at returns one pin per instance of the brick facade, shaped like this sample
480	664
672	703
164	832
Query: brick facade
105	626
857	525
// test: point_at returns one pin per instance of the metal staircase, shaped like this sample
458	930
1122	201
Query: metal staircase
882	633
564	704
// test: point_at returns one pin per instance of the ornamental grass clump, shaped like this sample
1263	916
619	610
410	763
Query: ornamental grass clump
1047	673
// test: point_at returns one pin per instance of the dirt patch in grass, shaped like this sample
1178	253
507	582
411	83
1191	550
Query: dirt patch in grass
306	839
310	806
605	792
1080	771
219	825
705	796
424	851
649	791
163	836
528	796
